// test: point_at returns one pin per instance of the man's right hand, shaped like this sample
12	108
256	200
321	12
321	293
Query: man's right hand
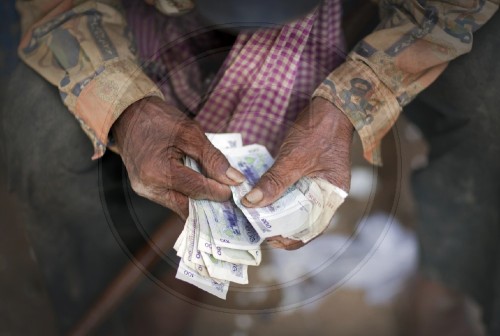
153	138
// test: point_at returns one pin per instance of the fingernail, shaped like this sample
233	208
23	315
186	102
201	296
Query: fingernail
235	175
254	196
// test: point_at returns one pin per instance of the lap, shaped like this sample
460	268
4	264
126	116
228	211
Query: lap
49	168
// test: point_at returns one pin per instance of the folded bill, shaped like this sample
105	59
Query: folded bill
225	270
213	286
223	141
288	215
229	226
326	199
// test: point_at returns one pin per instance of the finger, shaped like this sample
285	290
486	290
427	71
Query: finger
284	173
171	199
213	162
194	185
216	166
285	243
175	201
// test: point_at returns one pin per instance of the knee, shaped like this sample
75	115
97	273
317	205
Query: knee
44	144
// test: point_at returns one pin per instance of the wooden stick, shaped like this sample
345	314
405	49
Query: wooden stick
128	278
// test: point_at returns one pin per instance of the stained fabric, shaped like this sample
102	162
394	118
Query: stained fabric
266	79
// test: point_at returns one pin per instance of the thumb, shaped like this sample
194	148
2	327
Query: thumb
273	183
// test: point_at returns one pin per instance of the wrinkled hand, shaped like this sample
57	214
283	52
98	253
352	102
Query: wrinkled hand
153	139
318	145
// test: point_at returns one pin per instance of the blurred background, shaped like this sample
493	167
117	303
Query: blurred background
368	292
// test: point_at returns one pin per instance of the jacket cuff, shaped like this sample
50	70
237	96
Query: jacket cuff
106	95
370	106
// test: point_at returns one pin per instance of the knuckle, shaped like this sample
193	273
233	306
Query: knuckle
273	181
324	144
196	190
191	185
169	198
222	194
212	156
171	174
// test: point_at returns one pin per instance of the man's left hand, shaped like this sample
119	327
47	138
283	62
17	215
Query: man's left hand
318	145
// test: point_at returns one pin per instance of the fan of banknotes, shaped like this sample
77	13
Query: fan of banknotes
220	240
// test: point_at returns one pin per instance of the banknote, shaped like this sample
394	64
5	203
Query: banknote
191	253
223	270
287	215
179	243
326	199
247	257
205	238
229	226
239	255
180	247
225	140
233	269
213	286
